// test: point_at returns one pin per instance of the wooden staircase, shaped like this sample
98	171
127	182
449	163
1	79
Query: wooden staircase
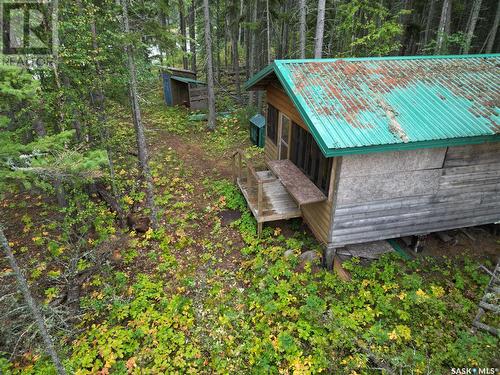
489	302
266	196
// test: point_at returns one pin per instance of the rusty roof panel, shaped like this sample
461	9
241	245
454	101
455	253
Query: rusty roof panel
396	103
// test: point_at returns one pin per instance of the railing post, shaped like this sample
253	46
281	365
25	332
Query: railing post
240	165
249	178
259	207
233	167
259	198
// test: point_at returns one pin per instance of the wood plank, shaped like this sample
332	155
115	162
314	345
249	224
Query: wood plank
387	162
387	186
276	203
472	154
296	183
278	98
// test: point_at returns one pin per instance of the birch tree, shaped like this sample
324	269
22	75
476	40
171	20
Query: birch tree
320	28
302	28
37	315
210	72
137	118
444	27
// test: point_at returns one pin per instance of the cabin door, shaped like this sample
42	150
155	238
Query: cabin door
284	136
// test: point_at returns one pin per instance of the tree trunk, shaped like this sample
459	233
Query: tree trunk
103	121
320	27
302	28
443	29
163	24
210	73
39	127
217	42
471	26
493	32
182	25
234	47
192	35
142	146
428	24
77	125
60	192
284	35
252	51
240	34
37	315
246	36
268	29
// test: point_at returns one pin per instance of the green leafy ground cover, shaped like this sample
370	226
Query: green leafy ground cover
201	297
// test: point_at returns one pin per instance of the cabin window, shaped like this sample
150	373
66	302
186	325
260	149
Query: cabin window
306	155
272	123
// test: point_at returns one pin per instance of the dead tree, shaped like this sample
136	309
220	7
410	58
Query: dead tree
37	315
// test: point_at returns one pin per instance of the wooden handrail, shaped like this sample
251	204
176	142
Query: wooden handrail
241	154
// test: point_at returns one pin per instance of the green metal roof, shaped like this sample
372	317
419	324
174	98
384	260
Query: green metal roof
363	105
258	120
187	80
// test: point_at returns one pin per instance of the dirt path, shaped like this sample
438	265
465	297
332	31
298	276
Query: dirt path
191	153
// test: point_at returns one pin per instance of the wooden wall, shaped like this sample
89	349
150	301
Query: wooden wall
388	195
316	215
180	92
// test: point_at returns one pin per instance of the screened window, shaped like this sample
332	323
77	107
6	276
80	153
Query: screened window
306	155
272	123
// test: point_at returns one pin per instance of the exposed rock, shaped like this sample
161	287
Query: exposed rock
288	253
312	257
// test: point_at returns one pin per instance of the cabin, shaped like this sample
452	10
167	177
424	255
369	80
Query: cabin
366	149
180	87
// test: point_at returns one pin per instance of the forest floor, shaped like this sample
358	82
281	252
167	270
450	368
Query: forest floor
204	295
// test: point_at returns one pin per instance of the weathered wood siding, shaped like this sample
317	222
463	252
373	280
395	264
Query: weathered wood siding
389	195
198	97
270	149
316	215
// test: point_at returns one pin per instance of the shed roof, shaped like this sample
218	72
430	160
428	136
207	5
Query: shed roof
187	80
362	105
258	120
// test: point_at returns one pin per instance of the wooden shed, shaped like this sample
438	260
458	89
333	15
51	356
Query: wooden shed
180	87
367	149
